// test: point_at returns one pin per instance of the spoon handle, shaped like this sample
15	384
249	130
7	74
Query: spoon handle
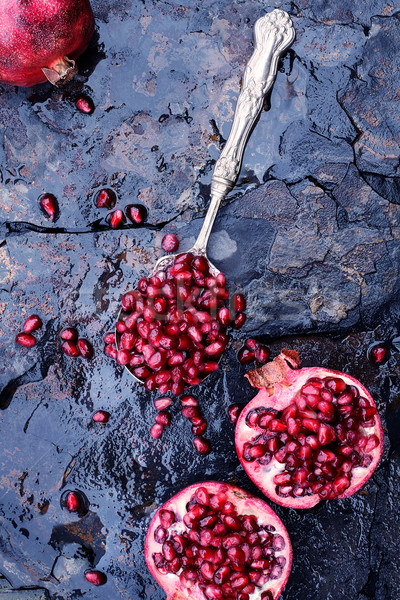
273	34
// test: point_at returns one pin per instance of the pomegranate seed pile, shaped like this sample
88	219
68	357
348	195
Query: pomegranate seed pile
173	327
253	350
73	346
228	555
319	438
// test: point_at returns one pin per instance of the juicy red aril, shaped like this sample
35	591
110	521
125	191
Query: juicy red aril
137	213
233	412
105	198
32	323
70	349
239	303
378	354
49	205
313	438
239	320
163	418
156	431
162	403
70	334
85	104
109	338
101	416
96	577
202	445
25	339
116	219
169	243
73	502
262	354
245	355
85	348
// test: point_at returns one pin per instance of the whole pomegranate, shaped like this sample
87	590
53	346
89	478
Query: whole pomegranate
39	39
214	541
310	434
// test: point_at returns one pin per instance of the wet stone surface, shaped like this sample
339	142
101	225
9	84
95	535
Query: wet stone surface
310	234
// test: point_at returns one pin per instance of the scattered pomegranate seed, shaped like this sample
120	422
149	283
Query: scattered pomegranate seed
96	577
189	401
202	445
25	339
109	338
262	354
239	321
162	403
85	348
85	104
137	213
111	351
105	198
378	354
73	502
49	205
169	243
116	219
70	349
163	417
252	344
70	334
157	430
101	416
233	412
239	303
245	355
32	323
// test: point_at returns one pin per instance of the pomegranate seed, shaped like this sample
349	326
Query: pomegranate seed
69	334
163	418
378	354
25	339
96	577
116	219
111	351
70	349
262	354
109	338
239	321
105	198
200	429
49	205
137	213
101	416
162	403
32	323
85	104
245	355
224	316
123	357
169	243
188	401
233	412
73	502
156	431
85	348
239	303
202	445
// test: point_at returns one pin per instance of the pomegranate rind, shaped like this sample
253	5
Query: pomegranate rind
245	503
53	34
279	397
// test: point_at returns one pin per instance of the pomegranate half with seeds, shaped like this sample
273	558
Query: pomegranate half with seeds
310	434
214	541
39	39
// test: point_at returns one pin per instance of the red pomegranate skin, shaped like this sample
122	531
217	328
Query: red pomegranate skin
37	34
245	504
286	383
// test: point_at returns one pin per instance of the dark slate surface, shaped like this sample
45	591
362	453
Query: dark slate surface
311	234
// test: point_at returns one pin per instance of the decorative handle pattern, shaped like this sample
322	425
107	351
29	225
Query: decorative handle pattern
273	34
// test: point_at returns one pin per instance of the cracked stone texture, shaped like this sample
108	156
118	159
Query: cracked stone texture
310	234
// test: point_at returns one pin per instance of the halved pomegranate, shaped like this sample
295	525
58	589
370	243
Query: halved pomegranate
310	434
214	541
